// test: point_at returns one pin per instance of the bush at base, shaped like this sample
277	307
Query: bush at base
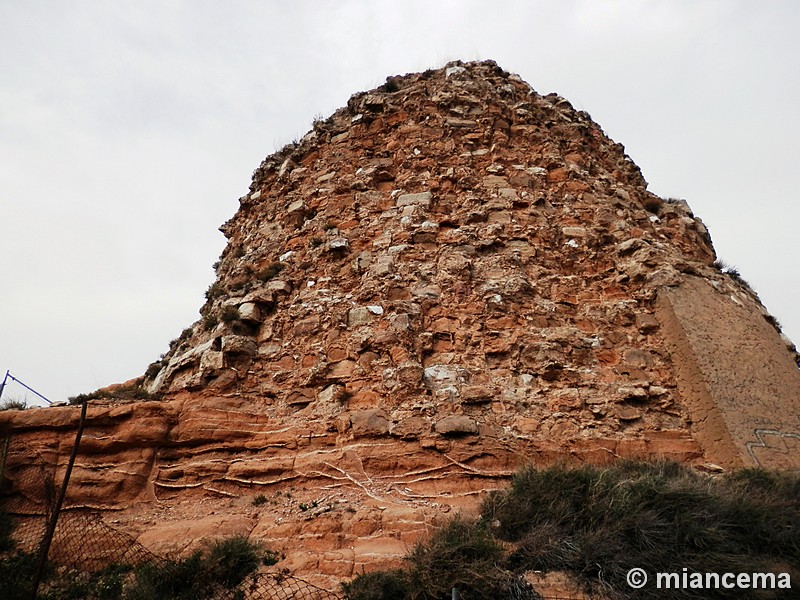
223	565
597	523
214	572
462	555
380	585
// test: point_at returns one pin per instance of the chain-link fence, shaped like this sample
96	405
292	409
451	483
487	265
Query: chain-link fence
85	558
90	559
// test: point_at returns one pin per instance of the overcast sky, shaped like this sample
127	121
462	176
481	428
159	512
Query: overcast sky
129	129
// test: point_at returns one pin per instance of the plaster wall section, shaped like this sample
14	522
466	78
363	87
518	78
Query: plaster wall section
739	382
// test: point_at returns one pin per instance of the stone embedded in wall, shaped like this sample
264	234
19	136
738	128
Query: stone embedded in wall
249	311
369	422
332	393
456	425
360	315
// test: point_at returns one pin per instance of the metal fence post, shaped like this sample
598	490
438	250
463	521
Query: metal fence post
44	549
3	385
6	444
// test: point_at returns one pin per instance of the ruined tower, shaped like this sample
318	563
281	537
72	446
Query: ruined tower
449	277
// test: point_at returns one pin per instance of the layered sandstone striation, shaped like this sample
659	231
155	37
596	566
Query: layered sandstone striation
449	277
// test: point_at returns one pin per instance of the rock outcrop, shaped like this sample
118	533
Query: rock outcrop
449	277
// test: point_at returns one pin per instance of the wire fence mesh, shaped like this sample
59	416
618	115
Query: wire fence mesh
90	559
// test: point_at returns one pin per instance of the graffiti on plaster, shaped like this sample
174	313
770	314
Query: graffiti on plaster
762	442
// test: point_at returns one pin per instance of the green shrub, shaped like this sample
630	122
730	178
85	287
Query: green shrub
172	580
208	573
16	575
732	272
132	392
271	557
13	404
774	322
380	585
210	321
270	271
6	529
391	85
154	368
108	583
185	335
599	523
81	398
215	290
230	560
222	565
229	314
463	554
653	204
